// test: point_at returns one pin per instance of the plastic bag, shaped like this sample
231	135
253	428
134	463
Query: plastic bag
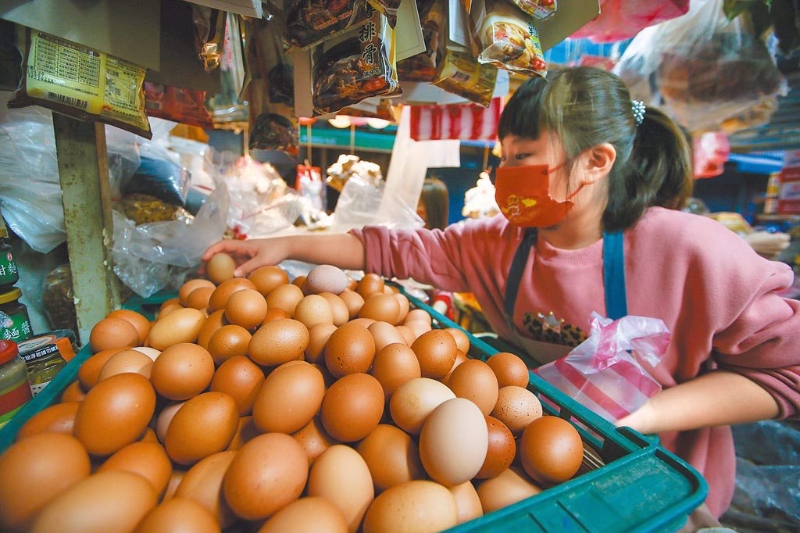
608	372
623	19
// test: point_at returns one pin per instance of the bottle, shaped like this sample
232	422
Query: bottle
9	274
15	324
45	355
15	390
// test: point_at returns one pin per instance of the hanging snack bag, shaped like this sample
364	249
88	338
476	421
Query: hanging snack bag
422	67
541	9
209	30
355	66
86	84
387	8
507	38
309	22
462	75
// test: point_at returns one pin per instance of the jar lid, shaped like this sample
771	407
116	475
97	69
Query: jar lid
10	296
8	351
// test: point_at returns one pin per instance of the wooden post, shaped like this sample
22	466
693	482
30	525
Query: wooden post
83	171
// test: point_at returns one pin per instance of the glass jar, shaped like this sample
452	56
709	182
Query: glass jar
15	390
45	357
15	324
9	274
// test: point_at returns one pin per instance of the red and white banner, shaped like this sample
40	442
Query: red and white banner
466	122
789	192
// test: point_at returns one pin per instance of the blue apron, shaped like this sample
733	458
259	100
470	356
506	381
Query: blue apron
613	281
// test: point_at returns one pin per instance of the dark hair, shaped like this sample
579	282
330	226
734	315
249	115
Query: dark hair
436	200
587	106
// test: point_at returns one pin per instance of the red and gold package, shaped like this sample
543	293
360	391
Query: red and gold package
541	9
355	66
178	104
309	22
508	39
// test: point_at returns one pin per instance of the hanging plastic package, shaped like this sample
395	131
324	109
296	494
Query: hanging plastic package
610	372
507	38
422	67
309	22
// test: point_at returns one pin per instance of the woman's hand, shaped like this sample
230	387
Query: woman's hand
250	254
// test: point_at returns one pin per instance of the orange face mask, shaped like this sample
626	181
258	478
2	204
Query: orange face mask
523	195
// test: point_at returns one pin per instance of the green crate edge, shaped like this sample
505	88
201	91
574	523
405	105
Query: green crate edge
560	505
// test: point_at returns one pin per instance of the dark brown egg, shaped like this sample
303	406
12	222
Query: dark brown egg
278	341
212	323
369	284
224	290
436	351
266	278
227	342
501	452
246	308
551	450
509	368
474	380
241	379
352	407
350	349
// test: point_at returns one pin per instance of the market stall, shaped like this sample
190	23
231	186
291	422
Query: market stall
253	119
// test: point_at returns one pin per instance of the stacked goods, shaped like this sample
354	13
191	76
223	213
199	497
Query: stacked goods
260	404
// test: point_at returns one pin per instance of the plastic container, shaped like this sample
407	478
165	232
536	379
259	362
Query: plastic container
9	274
45	355
627	483
15	324
15	391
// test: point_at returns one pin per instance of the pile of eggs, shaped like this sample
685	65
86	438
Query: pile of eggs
260	404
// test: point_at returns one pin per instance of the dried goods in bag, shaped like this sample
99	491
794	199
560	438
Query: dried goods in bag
541	9
308	22
462	75
507	38
422	67
355	66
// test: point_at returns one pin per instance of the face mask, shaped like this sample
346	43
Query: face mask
523	195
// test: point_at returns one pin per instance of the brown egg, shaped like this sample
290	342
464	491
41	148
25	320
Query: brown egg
240	378
164	417
275	314
202	483
289	398
113	333
414	400
114	500
278	341
475	381
148	459
394	365
512	485
56	418
353	301
383	307
35	470
210	325
307	515
467	501
174	481
313	439
405	307
318	338
138	320
189	286
462	341
352	407
350	349
227	342
182	371
265	475
178	514
181	325
299	281
246	308
364	322
267	278
461	357
407	333
149	435
436	351
89	371
313	309
370	284
126	361
199	298
516	407
341	314
510	369
115	413
224	290
204	425
551	450
418	505
285	297
149	351
417	314
392	456
73	392
341	476
325	278
245	432
417	327
168	306
501	452
220	267
384	333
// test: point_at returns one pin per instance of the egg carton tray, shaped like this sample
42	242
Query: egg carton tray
627	482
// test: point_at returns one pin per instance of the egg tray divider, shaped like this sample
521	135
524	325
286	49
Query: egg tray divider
627	482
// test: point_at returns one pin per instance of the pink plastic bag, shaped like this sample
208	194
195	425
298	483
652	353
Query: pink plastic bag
622	19
608	372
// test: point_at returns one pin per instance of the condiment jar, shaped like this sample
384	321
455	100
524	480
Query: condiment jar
9	274
45	357
15	391
15	324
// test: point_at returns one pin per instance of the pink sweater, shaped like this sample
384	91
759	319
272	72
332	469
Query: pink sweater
718	298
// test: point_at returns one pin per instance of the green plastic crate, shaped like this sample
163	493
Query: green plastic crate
627	482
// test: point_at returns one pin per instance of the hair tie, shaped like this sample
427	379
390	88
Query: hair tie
638	109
